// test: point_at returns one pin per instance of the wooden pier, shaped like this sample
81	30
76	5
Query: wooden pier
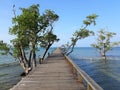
54	74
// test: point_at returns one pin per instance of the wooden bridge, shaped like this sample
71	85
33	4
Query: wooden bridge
57	73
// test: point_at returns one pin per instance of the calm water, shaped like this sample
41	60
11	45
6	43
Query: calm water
107	75
10	70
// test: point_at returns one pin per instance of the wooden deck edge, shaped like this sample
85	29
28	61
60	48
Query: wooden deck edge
82	75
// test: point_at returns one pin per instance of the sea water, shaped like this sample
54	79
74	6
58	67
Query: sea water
10	70
105	73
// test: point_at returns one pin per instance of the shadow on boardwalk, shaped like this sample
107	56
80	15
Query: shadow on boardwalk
53	74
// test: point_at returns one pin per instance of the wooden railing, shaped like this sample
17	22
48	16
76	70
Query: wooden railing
83	77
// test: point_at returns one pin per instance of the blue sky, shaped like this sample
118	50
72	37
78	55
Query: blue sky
71	14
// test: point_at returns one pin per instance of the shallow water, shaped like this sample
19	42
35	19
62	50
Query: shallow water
9	75
107	75
10	70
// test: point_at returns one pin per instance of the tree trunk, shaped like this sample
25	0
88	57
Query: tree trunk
29	62
34	64
71	50
23	54
24	66
103	55
24	63
103	52
44	54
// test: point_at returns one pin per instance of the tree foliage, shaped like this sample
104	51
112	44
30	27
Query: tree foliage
29	28
82	33
47	41
49	37
4	48
103	43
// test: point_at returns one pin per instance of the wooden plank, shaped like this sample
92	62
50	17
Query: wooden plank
53	74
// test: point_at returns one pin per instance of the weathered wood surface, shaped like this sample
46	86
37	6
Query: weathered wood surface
54	74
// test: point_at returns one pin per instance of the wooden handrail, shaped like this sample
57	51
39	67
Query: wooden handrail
82	76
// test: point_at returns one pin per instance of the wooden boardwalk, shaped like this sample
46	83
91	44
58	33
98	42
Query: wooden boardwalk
53	74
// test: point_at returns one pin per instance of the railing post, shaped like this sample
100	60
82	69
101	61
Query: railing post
74	71
80	79
89	87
